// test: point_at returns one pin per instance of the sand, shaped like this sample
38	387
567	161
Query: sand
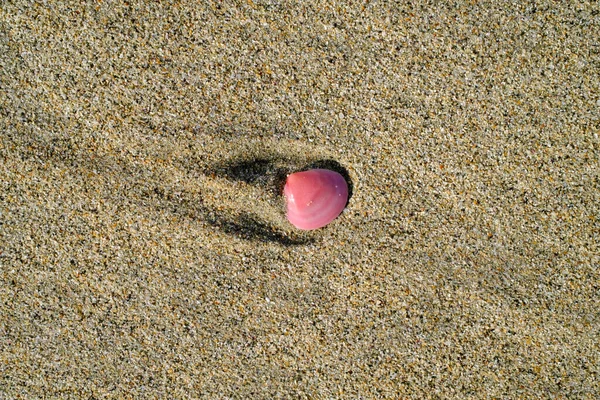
144	249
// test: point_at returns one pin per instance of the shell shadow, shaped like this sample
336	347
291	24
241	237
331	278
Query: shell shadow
250	227
265	172
272	172
243	224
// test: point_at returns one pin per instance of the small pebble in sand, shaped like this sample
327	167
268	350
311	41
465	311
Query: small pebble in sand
315	197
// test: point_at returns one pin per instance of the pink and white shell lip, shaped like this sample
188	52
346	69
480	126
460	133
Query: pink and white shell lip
315	197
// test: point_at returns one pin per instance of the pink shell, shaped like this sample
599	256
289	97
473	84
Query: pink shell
315	197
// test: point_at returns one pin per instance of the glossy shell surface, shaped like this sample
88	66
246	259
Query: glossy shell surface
315	197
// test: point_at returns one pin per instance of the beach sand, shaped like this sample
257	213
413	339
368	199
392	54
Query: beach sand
144	249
